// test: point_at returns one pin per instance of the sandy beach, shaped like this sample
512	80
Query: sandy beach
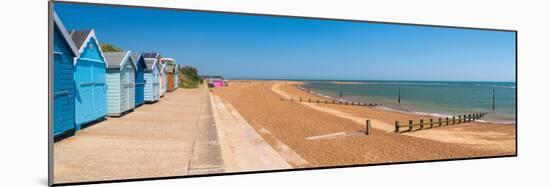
330	135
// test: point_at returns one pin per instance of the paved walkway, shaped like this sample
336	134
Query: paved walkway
175	136
187	132
242	147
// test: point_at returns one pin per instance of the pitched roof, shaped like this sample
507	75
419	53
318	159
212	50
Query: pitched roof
79	37
167	60
170	68
136	56
150	59
115	59
137	59
61	27
151	55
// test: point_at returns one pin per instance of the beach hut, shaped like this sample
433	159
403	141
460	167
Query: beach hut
89	76
120	79
216	81
170	77
162	82
165	62
65	54
140	79
176	76
152	77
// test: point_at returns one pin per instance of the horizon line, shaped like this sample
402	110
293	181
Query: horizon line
352	80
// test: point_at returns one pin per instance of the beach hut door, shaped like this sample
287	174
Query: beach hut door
131	89
124	84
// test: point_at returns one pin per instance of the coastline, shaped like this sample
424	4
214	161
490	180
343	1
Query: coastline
419	114
327	135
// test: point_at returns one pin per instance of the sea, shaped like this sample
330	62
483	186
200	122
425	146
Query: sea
435	98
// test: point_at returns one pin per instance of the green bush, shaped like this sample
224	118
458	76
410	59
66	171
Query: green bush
105	47
189	77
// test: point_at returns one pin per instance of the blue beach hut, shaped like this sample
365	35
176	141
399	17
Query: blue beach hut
152	77
140	80
65	54
89	76
120	80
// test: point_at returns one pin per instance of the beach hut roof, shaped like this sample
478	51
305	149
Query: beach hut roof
151	55
81	38
150	59
167	60
170	68
117	59
66	36
136	57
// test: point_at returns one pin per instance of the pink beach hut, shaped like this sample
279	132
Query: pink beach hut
217	83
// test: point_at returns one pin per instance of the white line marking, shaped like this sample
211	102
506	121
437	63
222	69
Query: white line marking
326	136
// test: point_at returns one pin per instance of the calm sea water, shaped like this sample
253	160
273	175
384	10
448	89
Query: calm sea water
427	97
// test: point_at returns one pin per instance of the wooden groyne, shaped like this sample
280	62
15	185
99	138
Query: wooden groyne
325	101
421	125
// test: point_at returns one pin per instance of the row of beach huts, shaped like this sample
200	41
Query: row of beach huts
89	84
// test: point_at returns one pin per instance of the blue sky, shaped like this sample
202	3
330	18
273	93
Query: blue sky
244	46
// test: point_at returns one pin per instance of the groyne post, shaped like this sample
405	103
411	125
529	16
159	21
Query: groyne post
431	123
396	126
421	123
446	121
453	120
399	94
493	99
410	125
439	122
367	127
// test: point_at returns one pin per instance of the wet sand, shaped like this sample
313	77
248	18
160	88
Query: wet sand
330	135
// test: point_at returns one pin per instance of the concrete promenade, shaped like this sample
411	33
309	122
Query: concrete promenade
172	137
242	147
187	132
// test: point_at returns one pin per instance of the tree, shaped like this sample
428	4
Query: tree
105	47
189	77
